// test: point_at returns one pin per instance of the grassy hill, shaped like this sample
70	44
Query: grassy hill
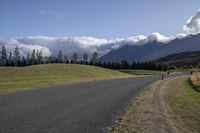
184	59
12	78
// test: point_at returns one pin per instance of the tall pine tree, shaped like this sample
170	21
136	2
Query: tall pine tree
10	59
60	57
85	58
94	58
74	58
3	56
39	57
16	56
33	57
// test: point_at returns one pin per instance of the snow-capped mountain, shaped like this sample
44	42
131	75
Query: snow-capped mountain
156	47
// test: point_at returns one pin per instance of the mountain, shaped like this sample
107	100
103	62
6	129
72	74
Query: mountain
153	50
183	59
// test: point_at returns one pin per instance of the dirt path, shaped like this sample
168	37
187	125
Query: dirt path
160	122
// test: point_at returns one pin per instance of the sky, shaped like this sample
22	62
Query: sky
108	19
93	25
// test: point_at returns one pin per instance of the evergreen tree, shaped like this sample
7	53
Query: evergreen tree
124	64
133	65
3	56
104	64
109	64
74	58
49	59
94	58
81	61
65	59
28	59
118	65
71	61
59	59
85	58
99	63
113	65
16	56
10	59
39	57
33	58
91	63
23	62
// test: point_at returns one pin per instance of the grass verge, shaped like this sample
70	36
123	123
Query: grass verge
170	105
142	72
14	78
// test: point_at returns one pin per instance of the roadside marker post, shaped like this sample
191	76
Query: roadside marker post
163	76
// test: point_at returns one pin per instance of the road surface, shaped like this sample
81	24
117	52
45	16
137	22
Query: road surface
79	108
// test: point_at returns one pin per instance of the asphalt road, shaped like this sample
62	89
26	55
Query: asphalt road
80	108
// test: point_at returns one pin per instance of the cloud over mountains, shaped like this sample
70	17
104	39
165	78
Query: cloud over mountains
51	45
192	25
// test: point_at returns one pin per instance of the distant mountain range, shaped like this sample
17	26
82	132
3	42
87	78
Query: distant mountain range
183	59
153	50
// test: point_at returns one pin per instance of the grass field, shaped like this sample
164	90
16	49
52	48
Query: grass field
13	78
170	105
142	72
186	70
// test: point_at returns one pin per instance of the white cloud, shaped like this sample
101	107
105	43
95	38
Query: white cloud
180	36
159	38
11	44
192	25
51	45
88	41
139	39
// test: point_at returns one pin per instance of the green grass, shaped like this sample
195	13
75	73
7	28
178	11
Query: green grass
14	78
186	70
184	102
142	72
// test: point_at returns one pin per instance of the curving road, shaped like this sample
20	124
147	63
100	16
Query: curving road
80	108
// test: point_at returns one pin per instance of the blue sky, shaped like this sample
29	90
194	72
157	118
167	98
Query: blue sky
97	18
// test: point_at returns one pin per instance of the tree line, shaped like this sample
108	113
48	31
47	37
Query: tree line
36	57
134	65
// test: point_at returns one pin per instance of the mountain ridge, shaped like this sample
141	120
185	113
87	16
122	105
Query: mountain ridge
153	50
183	59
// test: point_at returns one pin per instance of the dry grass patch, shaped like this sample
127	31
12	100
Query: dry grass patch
195	80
